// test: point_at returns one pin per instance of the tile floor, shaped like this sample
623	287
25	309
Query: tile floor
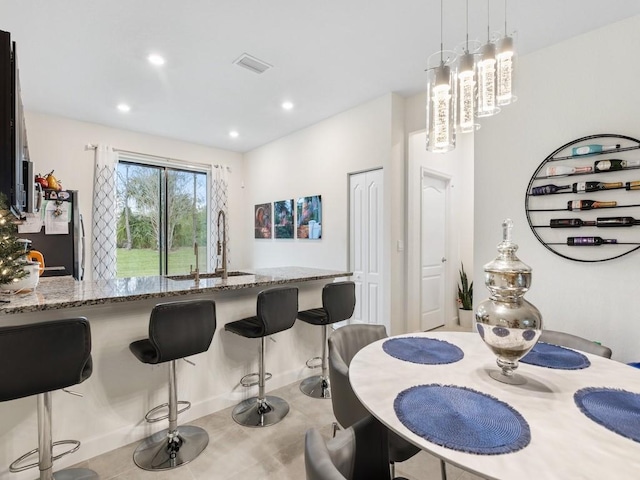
275	452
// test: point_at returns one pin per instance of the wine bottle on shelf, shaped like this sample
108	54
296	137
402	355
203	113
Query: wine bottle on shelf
570	223
560	170
589	241
575	205
614	164
616	222
582	187
548	189
589	149
632	185
599	222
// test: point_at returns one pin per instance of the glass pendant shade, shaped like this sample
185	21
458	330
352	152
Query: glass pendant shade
466	78
441	95
504	68
487	102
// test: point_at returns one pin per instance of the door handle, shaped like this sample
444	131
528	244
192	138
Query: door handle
443	260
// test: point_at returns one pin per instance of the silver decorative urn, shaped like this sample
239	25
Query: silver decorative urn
508	324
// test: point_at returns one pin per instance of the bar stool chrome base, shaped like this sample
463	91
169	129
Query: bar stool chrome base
48	474
316	387
162	451
254	412
76	474
45	449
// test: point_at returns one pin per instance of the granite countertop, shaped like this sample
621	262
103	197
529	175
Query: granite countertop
65	292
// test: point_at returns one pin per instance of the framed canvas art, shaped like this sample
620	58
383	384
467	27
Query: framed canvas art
262	216
283	218
309	210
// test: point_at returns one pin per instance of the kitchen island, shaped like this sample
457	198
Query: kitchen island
121	389
64	292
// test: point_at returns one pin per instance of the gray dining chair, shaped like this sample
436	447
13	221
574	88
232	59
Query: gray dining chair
344	343
573	341
356	453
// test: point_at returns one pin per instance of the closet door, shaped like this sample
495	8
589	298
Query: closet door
366	193
433	251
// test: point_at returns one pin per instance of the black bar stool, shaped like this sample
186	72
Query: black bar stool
37	359
338	304
176	330
276	311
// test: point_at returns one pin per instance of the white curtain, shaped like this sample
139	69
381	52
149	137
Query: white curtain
218	200
104	214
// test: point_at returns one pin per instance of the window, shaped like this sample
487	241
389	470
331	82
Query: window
162	213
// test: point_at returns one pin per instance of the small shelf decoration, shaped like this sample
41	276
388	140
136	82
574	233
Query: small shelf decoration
508	324
583	201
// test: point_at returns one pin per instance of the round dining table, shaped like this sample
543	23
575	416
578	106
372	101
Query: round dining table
564	443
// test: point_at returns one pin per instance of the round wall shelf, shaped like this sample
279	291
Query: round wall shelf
583	201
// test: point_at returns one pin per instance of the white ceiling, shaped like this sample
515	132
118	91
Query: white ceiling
80	58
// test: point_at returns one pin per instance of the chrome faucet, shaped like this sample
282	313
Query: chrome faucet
222	244
196	272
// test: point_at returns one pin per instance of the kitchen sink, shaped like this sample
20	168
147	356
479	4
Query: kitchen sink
206	275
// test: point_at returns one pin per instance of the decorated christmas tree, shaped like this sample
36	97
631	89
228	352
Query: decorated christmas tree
12	259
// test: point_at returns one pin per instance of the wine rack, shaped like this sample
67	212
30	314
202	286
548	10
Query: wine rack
558	207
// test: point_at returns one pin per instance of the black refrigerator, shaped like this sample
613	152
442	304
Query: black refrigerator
63	251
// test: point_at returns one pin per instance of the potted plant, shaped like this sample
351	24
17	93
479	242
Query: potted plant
465	300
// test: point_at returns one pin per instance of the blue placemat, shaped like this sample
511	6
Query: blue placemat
554	356
617	410
427	351
462	419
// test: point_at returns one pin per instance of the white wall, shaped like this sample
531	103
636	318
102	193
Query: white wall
317	161
396	234
586	85
58	143
415	113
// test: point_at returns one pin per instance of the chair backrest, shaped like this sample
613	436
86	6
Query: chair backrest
181	329
339	300
45	356
357	453
573	341
277	309
344	343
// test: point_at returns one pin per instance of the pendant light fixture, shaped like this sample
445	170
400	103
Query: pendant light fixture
487	102
441	101
466	78
505	59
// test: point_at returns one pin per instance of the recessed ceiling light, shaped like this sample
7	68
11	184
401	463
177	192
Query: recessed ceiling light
155	59
233	134
287	105
123	107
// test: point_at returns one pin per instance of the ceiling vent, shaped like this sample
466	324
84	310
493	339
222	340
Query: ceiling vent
252	63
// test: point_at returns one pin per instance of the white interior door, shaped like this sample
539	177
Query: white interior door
366	192
433	251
